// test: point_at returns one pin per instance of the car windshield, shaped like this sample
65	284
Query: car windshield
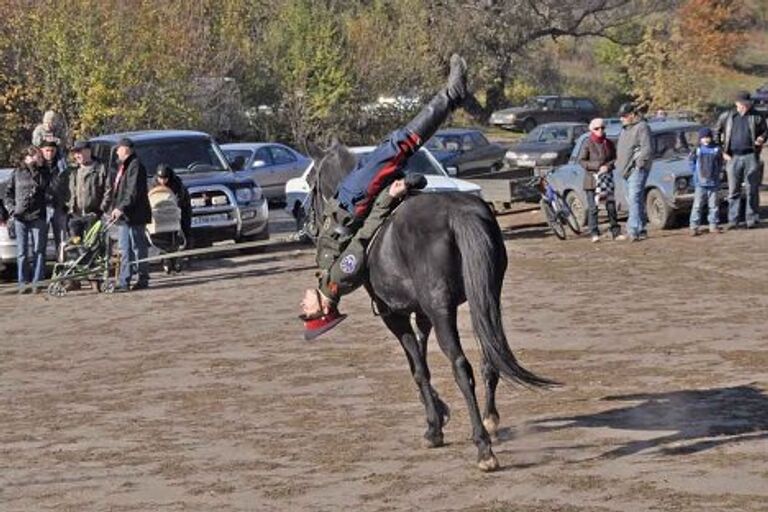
444	143
184	156
548	134
419	163
231	154
535	102
675	144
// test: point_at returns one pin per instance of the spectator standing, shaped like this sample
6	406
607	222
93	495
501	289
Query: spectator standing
742	133
706	166
89	190
132	212
25	198
58	193
633	160
598	158
167	178
52	130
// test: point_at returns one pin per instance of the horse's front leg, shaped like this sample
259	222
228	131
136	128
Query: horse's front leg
436	410
448	338
491	379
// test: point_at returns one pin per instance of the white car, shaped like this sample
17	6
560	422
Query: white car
297	189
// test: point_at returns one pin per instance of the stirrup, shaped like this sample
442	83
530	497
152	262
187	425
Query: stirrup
318	325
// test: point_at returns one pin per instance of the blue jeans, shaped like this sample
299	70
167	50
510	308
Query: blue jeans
132	241
57	221
700	195
37	231
743	168
636	202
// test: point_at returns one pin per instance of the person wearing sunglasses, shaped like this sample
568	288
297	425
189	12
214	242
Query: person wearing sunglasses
598	157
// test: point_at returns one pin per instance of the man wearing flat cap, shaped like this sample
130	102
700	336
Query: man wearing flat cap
90	190
131	211
634	157
742	133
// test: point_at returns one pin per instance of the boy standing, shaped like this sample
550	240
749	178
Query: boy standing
707	166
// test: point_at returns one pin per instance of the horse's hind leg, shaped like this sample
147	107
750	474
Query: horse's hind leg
423	328
448	338
491	415
415	351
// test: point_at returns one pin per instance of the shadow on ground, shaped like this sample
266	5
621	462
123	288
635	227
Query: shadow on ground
700	419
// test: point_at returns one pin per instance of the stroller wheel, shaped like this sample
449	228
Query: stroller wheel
57	289
107	287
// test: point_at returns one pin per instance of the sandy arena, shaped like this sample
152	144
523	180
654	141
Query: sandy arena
199	394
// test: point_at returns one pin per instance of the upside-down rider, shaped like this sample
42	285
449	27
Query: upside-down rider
363	201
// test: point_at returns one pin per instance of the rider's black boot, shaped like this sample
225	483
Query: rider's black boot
429	119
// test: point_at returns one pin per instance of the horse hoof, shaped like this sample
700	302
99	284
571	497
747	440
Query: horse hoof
490	463
432	442
491	424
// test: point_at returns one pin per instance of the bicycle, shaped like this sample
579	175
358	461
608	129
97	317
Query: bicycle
556	210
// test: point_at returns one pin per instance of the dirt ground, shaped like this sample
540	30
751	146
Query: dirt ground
200	395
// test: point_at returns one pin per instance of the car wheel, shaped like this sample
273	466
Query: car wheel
529	124
577	207
660	214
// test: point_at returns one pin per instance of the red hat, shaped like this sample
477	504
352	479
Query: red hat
314	327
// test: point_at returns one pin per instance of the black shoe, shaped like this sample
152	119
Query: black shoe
141	285
457	80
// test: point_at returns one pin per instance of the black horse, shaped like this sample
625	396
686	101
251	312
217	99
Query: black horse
436	252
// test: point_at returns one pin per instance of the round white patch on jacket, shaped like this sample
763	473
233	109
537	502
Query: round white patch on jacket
348	264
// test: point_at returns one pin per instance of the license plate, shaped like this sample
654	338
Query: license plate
526	163
208	219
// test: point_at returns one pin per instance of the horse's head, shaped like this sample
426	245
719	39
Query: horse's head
330	168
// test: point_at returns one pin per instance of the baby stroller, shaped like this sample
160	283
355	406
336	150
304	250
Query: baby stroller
89	259
164	232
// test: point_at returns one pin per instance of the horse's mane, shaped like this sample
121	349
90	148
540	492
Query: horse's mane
331	167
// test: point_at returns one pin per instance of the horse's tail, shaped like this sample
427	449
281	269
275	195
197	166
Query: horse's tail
483	262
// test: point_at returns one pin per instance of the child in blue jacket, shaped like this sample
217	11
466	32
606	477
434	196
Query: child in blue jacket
706	162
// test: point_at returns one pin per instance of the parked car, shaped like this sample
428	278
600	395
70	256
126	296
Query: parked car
546	146
224	206
760	98
545	109
465	152
269	164
297	190
669	190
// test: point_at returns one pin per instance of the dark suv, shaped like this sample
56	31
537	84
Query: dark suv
224	206
545	109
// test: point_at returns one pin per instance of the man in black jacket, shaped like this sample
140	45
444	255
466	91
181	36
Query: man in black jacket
742	133
132	212
25	199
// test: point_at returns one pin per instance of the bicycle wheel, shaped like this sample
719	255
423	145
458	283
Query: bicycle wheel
566	215
552	219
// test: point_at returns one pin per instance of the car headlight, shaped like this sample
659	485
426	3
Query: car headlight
550	155
244	195
511	155
681	184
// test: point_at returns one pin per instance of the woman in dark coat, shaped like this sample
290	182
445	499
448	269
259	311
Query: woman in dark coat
598	157
25	199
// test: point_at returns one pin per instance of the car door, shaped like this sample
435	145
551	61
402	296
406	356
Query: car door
284	164
567	110
550	111
484	154
260	170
